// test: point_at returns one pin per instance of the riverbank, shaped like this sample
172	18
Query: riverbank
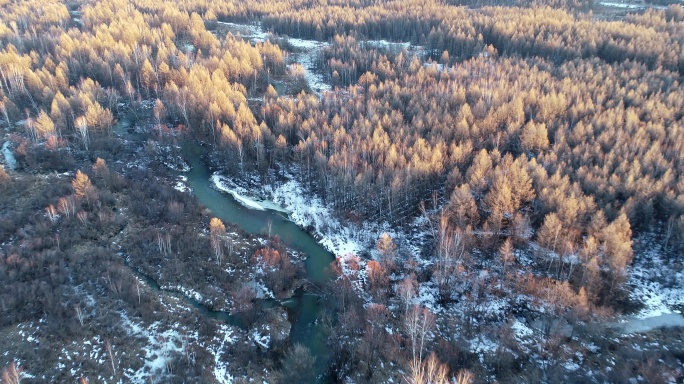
310	212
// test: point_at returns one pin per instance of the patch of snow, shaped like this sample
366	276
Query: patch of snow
181	185
522	331
311	212
384	44
427	297
160	345
657	284
177	164
10	160
483	345
654	281
259	288
26	375
354	268
309	51
224	184
621	5
252	32
438	66
185	291
263	340
224	337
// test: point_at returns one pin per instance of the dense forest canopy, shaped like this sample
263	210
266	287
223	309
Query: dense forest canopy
533	126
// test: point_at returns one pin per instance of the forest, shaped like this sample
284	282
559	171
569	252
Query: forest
519	164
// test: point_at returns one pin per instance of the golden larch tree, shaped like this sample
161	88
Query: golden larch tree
81	184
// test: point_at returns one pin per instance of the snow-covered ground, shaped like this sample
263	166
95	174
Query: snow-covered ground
308	51
182	184
252	32
224	337
309	212
241	194
306	55
630	5
622	5
161	343
191	293
656	283
654	280
387	45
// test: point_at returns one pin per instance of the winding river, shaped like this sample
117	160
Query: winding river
303	308
225	207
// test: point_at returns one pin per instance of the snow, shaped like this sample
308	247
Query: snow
658	284
311	212
224	184
260	290
26	375
247	202
438	66
253	32
304	44
354	268
176	164
181	185
224	337
263	340
522	331
384	44
621	5
654	281
307	58
483	345
9	156
159	347
427	297
185	291
305	211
